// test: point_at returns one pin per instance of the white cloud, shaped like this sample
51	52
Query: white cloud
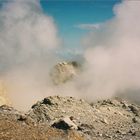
88	26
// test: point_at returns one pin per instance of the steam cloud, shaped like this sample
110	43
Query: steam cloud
113	54
29	40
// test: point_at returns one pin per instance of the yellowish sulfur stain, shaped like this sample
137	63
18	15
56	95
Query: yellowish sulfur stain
3	94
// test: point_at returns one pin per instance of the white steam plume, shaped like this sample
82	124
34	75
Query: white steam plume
25	32
113	54
28	38
28	41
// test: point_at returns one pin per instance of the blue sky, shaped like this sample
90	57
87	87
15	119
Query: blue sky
68	14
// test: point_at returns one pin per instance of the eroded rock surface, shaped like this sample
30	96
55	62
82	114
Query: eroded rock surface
64	71
73	119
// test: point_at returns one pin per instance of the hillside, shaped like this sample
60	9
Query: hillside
67	118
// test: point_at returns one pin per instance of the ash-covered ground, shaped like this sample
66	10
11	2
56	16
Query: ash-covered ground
67	118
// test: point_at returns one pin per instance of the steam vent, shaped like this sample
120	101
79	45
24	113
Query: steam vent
94	94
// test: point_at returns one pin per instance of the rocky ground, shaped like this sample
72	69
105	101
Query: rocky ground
67	118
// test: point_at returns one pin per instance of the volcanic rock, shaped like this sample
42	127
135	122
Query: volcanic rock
65	123
64	71
67	118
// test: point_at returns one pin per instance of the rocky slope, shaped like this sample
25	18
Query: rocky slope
67	118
